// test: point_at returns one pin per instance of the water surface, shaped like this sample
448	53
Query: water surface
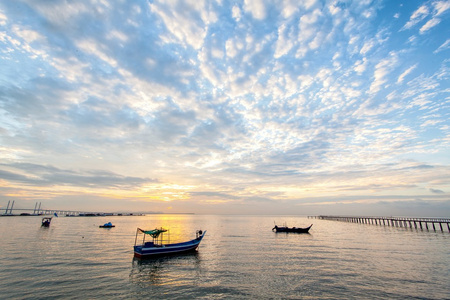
240	257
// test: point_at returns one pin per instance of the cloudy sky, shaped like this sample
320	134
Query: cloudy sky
260	107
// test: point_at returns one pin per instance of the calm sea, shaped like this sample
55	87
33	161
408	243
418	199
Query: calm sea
240	257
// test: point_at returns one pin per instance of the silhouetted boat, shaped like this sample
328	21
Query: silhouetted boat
291	229
159	246
46	221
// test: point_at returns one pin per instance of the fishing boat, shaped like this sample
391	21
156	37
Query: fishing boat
107	225
160	245
291	229
46	221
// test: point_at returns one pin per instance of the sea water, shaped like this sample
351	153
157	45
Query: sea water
239	258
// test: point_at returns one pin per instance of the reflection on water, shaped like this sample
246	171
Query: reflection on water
158	271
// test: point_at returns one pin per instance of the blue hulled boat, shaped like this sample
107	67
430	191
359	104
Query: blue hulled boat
158	245
107	225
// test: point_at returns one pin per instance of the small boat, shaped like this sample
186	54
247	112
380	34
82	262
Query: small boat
107	225
161	246
291	229
46	221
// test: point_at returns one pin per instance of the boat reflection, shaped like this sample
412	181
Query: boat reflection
163	270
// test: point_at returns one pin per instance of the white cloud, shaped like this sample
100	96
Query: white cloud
284	43
308	31
116	34
181	20
366	47
444	46
420	14
404	74
360	66
441	7
91	46
428	25
236	13
256	8
233	47
289	8
382	69
3	19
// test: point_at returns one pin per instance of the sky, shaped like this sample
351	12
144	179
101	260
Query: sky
308	107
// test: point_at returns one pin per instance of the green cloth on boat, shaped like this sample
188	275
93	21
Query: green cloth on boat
154	233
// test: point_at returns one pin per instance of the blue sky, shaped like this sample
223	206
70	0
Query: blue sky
260	107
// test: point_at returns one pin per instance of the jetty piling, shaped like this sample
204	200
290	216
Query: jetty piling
403	222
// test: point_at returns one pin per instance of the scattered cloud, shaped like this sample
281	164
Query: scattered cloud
220	107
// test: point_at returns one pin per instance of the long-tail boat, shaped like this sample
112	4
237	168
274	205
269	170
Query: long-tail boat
159	245
291	229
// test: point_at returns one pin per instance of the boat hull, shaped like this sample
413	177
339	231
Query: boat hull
150	250
292	229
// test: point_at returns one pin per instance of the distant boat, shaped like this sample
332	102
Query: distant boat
291	229
158	245
107	225
46	222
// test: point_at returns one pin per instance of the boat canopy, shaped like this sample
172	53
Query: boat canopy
154	233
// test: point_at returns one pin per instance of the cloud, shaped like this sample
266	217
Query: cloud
228	104
436	191
428	25
441	7
433	9
444	46
44	175
256	8
382	70
417	16
404	74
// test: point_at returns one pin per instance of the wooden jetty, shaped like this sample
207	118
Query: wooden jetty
393	221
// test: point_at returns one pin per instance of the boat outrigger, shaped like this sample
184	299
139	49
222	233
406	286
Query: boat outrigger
46	221
291	229
160	246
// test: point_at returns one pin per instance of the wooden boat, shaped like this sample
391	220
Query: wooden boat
161	246
291	229
46	221
107	225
